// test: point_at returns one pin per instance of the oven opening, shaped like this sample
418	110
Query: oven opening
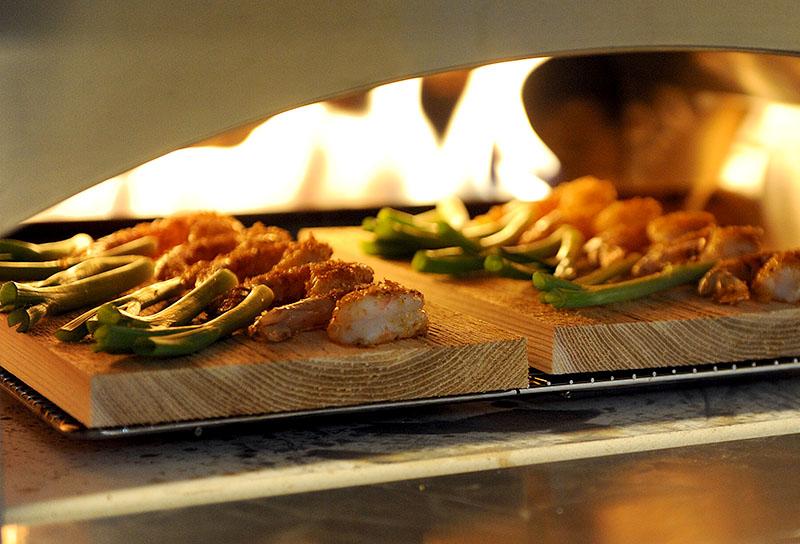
697	130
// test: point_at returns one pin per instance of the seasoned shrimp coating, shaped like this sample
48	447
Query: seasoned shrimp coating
580	200
380	313
175	261
675	225
577	202
632	212
306	251
251	257
622	229
325	282
279	324
779	278
729	242
171	231
329	276
728	282
287	280
203	247
680	250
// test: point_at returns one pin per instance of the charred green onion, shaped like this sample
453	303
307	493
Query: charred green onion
451	260
83	292
176	341
500	266
179	313
619	267
671	276
17	250
78	328
42	270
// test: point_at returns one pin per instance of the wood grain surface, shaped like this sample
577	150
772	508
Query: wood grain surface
239	376
675	328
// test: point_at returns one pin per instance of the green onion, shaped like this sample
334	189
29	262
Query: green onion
179	313
185	343
84	269
79	327
26	318
545	282
619	267
388	249
18	250
41	270
174	341
446	261
396	231
569	253
535	251
518	222
499	265
93	289
450	237
452	211
671	276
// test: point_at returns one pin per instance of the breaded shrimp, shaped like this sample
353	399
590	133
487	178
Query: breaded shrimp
729	242
170	231
578	202
621	229
198	252
329	276
326	282
283	322
634	212
380	313
728	282
675	225
779	278
679	250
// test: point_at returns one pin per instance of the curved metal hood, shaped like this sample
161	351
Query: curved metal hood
89	90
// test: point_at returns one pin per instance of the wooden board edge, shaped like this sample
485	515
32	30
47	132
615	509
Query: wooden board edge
63	385
273	387
628	346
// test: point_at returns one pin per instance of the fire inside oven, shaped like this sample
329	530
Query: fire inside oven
697	130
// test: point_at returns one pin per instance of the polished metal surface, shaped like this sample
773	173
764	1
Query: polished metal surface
737	492
52	479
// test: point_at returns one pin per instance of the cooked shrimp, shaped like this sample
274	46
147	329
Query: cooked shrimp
578	202
680	250
252	256
329	276
326	282
779	278
633	212
175	261
171	231
729	281
622	229
675	225
199	251
306	251
279	324
729	242
380	313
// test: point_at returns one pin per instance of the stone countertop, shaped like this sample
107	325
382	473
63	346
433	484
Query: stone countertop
51	479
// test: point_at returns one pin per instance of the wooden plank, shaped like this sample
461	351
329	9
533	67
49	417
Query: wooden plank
675	328
239	376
